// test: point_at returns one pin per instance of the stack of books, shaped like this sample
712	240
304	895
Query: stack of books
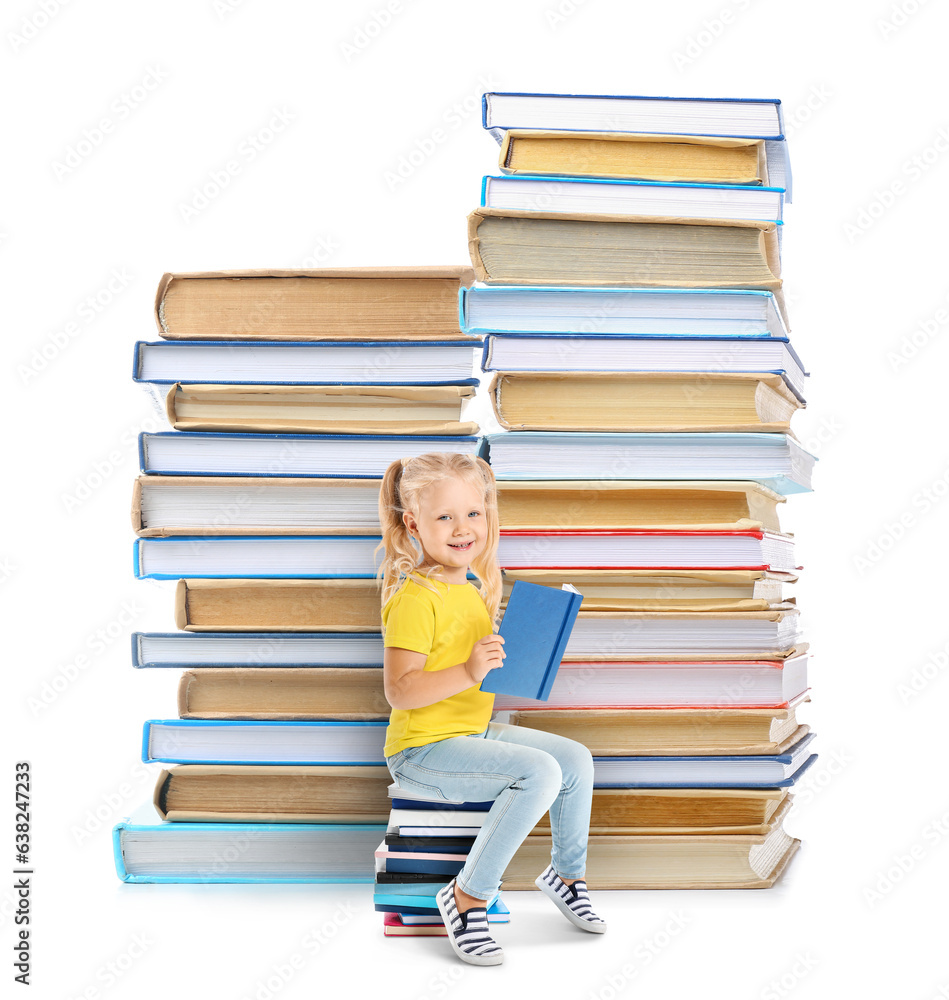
638	363
288	394
426	844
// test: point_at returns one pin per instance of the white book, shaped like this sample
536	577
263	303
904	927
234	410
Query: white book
186	453
309	363
256	649
640	198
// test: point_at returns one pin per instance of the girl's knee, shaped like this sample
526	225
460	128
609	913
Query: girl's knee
543	771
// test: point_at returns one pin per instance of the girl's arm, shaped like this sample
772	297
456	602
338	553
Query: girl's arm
407	685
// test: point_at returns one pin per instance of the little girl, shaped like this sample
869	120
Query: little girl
439	645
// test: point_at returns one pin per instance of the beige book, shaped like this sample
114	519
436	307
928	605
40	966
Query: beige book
689	861
282	693
670	731
355	303
273	793
164	506
663	590
677	811
616	503
548	248
635	156
233	605
321	409
642	401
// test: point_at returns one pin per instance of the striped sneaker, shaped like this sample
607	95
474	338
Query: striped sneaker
572	900
468	931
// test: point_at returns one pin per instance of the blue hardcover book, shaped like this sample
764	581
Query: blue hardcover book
536	626
441	805
148	849
331	456
240	741
656	312
256	649
424	865
564	352
256	557
528	193
759	771
316	362
734	117
495	908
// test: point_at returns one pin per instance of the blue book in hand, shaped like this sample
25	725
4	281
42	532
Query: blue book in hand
536	626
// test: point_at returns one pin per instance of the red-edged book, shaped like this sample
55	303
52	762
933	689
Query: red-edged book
646	549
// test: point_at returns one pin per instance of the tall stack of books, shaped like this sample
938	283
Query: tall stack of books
636	340
289	393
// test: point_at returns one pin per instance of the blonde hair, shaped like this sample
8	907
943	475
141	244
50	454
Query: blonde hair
402	486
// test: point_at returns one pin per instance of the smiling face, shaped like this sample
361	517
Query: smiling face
451	526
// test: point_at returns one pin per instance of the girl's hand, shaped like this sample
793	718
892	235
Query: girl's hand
486	654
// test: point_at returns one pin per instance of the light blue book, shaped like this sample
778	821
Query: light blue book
256	557
149	849
252	741
595	312
774	460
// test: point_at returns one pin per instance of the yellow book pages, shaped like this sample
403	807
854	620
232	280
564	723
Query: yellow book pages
615	732
337	605
688	159
673	862
642	401
654	811
282	693
542	248
417	303
278	793
321	409
630	504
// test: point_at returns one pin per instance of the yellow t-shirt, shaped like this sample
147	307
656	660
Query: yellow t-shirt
444	626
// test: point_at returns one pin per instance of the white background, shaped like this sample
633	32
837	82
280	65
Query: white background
864	93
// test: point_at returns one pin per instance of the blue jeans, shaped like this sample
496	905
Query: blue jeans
526	772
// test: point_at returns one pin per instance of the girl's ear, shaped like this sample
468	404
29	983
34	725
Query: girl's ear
408	519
